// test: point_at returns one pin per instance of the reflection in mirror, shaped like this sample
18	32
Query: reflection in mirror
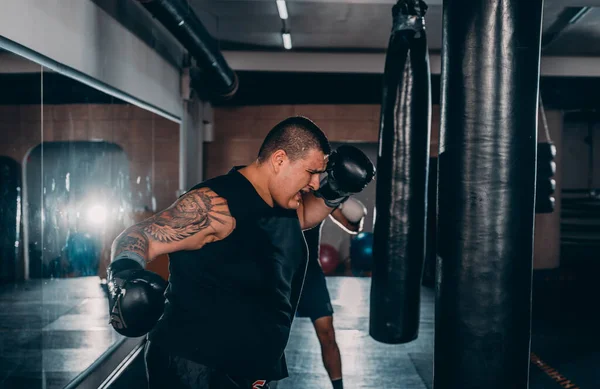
84	201
22	315
77	167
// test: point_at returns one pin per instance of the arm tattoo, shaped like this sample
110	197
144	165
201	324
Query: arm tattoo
131	240
194	212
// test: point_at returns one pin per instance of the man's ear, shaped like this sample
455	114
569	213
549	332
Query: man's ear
278	158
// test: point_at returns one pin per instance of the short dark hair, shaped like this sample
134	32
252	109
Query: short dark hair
295	135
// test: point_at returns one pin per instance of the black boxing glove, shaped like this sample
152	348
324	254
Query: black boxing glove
136	297
348	172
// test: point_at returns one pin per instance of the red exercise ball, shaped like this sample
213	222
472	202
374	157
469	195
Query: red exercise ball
328	258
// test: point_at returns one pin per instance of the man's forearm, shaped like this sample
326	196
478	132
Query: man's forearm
132	242
315	210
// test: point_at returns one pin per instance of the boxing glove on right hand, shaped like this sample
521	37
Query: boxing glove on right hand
348	171
136	297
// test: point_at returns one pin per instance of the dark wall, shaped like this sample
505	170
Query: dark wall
261	88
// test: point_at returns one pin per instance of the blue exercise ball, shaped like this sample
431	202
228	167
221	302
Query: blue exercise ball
82	254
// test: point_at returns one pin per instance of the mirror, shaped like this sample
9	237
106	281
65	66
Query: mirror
77	167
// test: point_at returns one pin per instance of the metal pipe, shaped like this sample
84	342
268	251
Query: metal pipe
218	79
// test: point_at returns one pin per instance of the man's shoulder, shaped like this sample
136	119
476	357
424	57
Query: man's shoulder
216	184
238	193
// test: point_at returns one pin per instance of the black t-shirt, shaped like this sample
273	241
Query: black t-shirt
230	305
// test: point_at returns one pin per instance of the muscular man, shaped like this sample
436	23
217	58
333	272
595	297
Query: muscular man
237	263
315	302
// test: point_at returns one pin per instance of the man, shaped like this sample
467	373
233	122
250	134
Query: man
237	263
315	302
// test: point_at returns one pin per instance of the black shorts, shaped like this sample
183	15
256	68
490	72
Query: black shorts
167	371
314	301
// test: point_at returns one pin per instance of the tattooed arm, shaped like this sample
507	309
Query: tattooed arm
198	217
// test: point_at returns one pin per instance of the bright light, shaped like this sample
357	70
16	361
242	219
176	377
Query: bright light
96	214
282	8
287	40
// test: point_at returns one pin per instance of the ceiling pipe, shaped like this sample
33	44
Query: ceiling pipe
565	19
215	79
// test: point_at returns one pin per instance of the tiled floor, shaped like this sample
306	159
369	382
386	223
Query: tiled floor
51	330
366	363
570	347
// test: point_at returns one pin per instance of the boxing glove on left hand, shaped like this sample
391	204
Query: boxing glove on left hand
136	297
348	172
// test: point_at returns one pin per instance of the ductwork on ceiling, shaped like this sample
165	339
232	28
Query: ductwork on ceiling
213	79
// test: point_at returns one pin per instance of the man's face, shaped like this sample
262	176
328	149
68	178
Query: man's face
292	178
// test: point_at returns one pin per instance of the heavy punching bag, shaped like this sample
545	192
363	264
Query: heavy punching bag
401	200
490	75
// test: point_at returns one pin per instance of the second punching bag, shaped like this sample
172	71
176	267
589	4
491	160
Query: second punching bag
401	200
486	184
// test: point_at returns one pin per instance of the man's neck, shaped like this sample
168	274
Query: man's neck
259	179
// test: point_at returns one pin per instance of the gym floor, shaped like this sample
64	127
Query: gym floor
49	333
366	363
51	330
565	352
